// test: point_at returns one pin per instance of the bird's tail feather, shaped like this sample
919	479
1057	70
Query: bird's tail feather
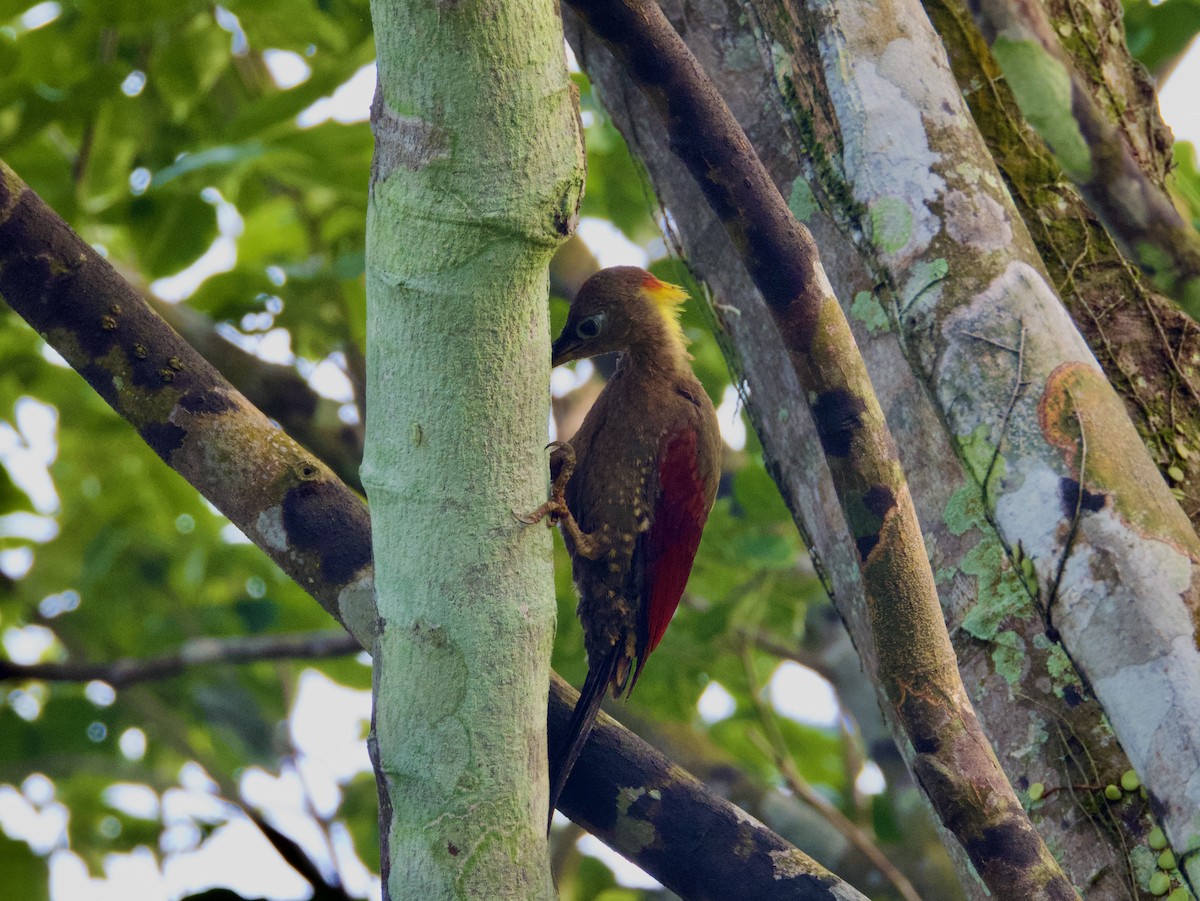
582	719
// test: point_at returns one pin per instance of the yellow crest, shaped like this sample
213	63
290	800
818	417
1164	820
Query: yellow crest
669	300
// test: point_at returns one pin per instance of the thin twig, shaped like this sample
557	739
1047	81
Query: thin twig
323	822
196	652
1018	384
774	747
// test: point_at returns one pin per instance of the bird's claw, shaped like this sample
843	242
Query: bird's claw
555	508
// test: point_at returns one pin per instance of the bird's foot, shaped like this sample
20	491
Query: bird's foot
555	509
562	464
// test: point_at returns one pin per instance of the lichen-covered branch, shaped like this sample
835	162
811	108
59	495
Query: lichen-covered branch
1140	337
916	663
1040	712
194	653
1090	148
322	523
876	151
1031	417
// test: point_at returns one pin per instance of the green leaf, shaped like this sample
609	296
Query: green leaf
258	614
617	187
187	68
883	818
220	157
360	813
758	498
1185	179
170	229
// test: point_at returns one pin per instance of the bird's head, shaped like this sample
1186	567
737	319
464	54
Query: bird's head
622	309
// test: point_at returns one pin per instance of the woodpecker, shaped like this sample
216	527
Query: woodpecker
633	487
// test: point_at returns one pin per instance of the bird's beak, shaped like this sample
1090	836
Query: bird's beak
563	350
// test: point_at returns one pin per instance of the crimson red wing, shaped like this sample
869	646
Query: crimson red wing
670	544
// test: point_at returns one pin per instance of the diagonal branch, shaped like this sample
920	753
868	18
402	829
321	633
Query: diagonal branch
279	391
268	485
1090	148
624	790
953	760
318	531
193	653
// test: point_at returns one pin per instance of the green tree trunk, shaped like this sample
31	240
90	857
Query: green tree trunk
476	179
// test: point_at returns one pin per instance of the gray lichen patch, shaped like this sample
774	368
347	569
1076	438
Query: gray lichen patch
633	832
881	108
269	526
356	607
977	220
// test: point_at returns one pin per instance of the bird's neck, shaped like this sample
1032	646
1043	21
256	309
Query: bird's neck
655	360
660	350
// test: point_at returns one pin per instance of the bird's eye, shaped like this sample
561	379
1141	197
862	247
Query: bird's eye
590	327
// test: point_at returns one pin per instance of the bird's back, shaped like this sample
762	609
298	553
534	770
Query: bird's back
645	432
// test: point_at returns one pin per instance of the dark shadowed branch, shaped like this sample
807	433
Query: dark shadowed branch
621	788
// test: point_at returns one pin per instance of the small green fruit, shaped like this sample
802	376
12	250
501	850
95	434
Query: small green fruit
1157	840
1036	791
1130	781
1166	860
1160	882
1112	792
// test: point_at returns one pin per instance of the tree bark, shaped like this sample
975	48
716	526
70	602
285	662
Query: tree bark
476	179
1091	148
1143	341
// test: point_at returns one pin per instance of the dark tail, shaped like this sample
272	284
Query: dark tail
595	686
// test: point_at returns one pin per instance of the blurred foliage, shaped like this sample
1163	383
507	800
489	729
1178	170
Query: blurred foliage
141	123
1159	32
